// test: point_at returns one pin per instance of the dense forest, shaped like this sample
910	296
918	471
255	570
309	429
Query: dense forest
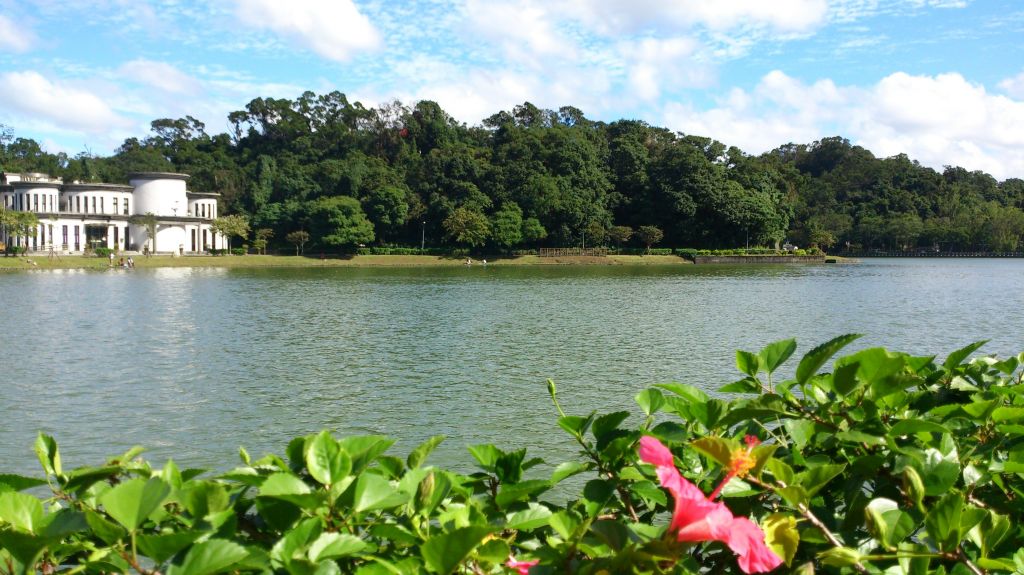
349	175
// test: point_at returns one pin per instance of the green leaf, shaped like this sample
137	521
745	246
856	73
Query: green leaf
108	531
512	492
283	484
747	362
814	359
487	455
576	425
745	385
325	459
48	454
958	356
443	553
419	455
208	557
775	354
910	426
162	547
717	448
840	557
795	495
9	482
334	545
854	436
888	523
815	478
495	551
608	423
566	470
650	400
374	492
687	392
22	511
781	535
131	502
565	523
1001	414
943	521
534	516
780	470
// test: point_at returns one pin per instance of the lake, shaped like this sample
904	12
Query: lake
196	362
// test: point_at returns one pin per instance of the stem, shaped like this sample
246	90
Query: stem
813	520
967	562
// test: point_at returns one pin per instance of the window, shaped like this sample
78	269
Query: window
126	206
78	204
94	204
64	237
115	205
35	202
102	209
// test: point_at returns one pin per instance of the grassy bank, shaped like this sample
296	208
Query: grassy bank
253	261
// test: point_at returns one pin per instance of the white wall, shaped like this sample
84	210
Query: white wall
159	196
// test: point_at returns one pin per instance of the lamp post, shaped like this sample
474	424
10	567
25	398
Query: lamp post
423	235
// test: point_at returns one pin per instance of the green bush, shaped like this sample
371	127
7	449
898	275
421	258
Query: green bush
103	252
217	252
883	463
238	251
659	251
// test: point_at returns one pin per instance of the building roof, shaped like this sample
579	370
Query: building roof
157	176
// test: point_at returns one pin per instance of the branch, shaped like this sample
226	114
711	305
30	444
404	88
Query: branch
813	520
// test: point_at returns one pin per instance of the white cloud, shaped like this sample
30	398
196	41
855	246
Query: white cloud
615	16
334	29
15	36
63	105
522	28
1014	86
654	65
160	75
939	120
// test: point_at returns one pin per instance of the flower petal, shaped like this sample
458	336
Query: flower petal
654	452
747	540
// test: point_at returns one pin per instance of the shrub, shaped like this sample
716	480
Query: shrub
883	461
103	252
217	252
238	251
660	251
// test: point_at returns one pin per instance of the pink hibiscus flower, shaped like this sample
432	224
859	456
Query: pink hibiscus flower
698	518
521	567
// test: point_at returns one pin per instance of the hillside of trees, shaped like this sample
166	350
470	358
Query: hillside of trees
531	177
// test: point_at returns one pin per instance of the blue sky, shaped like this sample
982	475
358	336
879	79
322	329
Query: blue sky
940	80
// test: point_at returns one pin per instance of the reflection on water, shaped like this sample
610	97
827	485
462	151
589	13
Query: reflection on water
195	362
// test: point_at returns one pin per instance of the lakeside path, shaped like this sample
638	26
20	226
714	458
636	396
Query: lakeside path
314	261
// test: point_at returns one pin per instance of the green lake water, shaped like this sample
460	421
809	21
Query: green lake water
196	362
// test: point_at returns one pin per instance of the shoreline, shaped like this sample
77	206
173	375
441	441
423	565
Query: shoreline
45	262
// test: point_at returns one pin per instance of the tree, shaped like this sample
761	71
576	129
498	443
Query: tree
620	234
387	208
19	224
467	227
233	225
533	231
649	235
339	221
260	243
149	223
299	238
507	225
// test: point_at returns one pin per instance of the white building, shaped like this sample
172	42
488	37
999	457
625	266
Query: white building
77	216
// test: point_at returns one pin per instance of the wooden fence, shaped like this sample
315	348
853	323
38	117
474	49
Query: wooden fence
565	252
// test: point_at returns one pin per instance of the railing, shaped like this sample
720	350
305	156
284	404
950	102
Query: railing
568	252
